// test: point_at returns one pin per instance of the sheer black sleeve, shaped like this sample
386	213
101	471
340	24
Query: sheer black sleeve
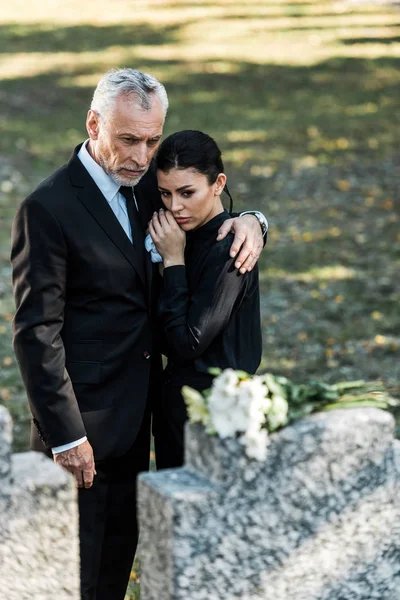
192	320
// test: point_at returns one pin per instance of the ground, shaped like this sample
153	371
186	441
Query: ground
302	98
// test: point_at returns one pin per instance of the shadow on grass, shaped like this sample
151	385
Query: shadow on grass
42	38
26	38
261	114
333	27
370	40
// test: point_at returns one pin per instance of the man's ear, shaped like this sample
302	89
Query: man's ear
219	184
92	124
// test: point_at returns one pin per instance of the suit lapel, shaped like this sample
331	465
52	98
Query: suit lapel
90	195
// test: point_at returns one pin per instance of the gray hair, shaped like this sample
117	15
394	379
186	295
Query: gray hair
127	82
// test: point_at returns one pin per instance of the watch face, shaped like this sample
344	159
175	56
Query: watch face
263	222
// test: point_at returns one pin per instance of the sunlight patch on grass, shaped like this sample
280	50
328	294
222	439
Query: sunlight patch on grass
158	11
247	136
259	51
165	73
15	66
333	272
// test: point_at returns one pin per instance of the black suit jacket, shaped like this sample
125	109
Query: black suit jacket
83	326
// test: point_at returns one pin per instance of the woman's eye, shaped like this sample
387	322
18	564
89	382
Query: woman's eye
187	194
164	194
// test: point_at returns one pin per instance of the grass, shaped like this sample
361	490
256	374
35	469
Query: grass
302	98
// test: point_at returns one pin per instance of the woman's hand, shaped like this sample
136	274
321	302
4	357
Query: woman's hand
169	238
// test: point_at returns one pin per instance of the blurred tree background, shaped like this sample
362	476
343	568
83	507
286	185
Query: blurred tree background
301	95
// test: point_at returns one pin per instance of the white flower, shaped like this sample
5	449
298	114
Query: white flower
226	416
255	442
196	406
235	405
223	425
254	388
252	398
277	414
238	406
273	386
222	404
226	383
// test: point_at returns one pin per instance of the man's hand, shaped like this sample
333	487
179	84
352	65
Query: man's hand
248	239
80	462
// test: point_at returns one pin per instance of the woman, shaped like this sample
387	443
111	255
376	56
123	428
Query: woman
209	312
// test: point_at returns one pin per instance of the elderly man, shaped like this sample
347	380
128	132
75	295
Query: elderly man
84	292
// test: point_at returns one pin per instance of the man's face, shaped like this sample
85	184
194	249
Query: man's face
125	142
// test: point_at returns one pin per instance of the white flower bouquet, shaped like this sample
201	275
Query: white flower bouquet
252	406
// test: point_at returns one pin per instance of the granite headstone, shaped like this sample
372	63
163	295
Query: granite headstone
318	520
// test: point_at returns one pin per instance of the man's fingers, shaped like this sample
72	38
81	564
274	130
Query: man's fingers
79	478
248	263
245	254
79	461
87	475
224	230
238	244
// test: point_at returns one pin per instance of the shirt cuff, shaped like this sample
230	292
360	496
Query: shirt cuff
261	218
64	447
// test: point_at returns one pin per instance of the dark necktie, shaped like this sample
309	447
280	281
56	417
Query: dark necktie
133	214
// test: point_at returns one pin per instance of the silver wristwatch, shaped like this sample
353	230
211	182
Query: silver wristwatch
260	218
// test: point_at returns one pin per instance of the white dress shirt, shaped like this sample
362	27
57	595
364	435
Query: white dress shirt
117	202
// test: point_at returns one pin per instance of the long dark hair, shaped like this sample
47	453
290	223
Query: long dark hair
191	149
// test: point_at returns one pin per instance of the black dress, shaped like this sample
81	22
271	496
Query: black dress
210	317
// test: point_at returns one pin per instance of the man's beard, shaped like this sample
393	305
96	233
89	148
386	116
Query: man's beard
120	179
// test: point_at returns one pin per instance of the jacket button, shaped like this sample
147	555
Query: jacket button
146	355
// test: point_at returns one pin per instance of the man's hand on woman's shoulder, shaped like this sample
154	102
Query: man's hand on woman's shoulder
248	240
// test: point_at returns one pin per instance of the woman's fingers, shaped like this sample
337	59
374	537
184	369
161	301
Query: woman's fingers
156	223
163	226
159	219
159	226
152	231
170	219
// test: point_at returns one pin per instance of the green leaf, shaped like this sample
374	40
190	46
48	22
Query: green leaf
243	375
347	385
215	371
363	403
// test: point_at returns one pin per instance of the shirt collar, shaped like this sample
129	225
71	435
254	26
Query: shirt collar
107	186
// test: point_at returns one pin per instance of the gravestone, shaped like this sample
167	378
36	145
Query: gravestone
39	551
318	520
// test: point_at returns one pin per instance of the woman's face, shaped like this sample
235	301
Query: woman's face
189	196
